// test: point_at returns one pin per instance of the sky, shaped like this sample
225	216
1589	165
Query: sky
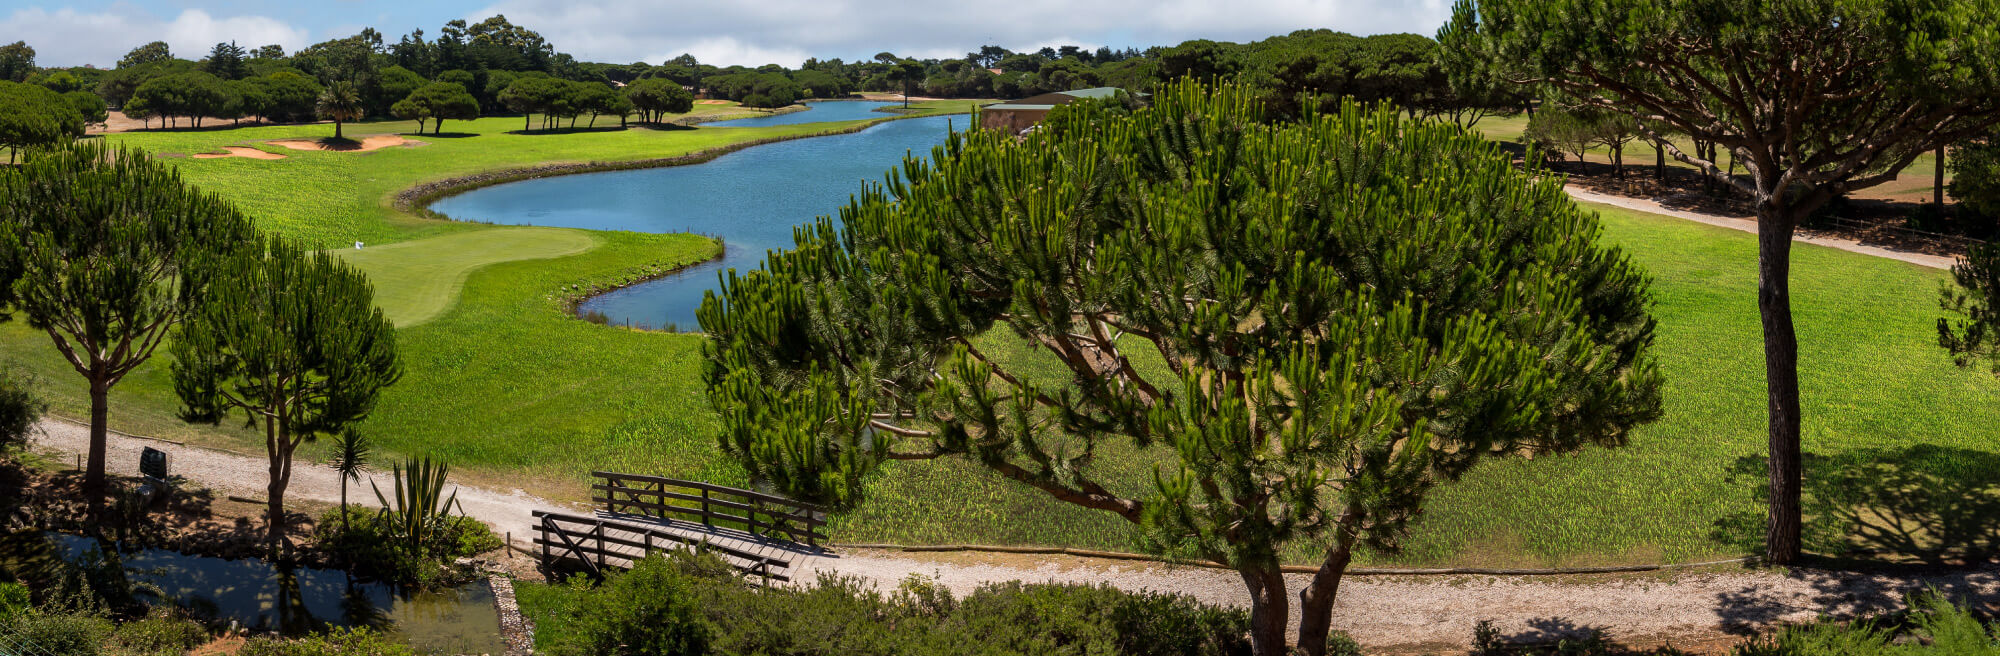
724	32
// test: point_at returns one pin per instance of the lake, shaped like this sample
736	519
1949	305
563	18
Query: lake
750	198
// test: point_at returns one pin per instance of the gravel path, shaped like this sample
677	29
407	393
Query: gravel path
1406	613
1749	224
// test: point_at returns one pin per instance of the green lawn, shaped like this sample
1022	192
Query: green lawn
415	281
513	391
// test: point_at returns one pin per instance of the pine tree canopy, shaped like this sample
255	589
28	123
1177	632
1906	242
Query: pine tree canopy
1350	309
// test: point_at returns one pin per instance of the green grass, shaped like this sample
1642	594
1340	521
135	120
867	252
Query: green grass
516	393
415	281
1871	373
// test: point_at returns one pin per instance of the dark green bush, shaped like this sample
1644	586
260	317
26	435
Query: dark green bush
162	633
60	634
649	610
686	604
337	642
362	544
19	410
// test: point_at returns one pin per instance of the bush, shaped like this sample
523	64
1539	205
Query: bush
363	544
162	633
337	642
13	601
685	603
75	634
19	409
649	610
1932	626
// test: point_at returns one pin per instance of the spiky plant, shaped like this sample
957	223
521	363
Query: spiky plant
420	512
351	452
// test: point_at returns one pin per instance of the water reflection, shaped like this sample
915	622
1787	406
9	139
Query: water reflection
263	597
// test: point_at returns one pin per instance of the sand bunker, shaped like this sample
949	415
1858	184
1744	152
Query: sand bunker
239	151
711	102
365	145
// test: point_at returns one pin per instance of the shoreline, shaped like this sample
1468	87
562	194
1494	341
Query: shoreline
416	199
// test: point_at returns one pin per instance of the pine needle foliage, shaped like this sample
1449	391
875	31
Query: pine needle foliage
106	251
1354	308
294	341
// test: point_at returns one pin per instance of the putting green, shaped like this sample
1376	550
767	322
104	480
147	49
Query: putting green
415	281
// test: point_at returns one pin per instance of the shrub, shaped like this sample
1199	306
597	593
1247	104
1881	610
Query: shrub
162	633
685	603
19	409
60	634
13	601
1932	626
336	642
365	543
649	610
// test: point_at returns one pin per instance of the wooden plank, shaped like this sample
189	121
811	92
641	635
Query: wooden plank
808	517
698	485
810	530
555	520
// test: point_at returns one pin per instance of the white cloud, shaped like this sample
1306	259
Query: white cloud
788	31
67	37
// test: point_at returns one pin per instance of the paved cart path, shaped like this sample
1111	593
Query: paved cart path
1687	608
1749	224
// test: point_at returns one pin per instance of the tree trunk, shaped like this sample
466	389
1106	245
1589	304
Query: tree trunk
1269	609
1937	179
336	128
1316	601
100	421
524	120
343	505
1781	378
1660	162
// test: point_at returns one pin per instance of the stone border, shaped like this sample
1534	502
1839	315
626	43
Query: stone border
517	630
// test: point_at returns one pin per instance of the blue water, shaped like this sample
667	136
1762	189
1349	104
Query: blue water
820	112
751	199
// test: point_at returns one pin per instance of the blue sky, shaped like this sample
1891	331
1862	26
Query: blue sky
76	32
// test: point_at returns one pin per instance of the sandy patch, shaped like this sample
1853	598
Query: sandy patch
239	151
366	144
711	102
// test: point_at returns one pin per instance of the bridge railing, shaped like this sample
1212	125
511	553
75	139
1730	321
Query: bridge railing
712	506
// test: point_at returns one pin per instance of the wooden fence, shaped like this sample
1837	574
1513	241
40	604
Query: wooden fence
596	544
756	513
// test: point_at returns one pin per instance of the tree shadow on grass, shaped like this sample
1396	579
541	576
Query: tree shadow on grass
1880	524
445	135
536	132
1924	504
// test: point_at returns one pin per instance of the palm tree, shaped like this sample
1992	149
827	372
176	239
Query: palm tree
340	102
350	459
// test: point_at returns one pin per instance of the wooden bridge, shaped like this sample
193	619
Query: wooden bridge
761	535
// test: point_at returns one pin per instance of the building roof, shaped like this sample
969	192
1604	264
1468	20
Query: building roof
1050	100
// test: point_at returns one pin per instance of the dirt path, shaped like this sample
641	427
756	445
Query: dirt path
1749	224
1688	609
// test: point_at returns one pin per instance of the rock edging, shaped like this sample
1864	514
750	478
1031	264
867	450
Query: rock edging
517	630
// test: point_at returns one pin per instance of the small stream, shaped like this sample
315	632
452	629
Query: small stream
751	199
256	595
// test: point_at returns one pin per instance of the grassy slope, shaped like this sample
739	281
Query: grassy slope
531	384
519	394
1871	373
